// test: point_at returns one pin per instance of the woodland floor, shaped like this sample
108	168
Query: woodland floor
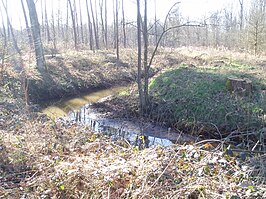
43	158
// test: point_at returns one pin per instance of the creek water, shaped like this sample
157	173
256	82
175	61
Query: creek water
79	110
66	106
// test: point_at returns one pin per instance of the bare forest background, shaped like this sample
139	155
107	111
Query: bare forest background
86	24
198	83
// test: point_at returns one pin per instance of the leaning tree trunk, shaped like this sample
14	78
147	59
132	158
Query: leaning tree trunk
36	34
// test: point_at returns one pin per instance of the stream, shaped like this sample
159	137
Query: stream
79	110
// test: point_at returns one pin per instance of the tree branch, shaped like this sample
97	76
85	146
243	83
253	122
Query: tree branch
167	30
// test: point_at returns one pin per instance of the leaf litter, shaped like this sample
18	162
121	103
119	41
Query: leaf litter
51	159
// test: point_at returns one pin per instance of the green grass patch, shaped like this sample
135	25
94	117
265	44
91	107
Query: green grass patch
238	65
192	97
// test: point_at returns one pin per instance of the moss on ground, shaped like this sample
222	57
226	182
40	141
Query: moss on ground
199	97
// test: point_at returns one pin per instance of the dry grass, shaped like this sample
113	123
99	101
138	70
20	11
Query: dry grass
75	72
47	159
221	53
41	158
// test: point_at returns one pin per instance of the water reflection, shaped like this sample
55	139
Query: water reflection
79	110
121	129
62	108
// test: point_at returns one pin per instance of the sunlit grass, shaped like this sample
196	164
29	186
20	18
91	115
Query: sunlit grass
192	97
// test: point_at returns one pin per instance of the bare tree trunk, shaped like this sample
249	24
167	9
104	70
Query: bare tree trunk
7	27
4	49
102	23
206	30
81	23
155	22
106	25
73	25
76	20
114	25
97	22
11	30
116	30
27	24
145	61
94	27
47	23
67	24
90	27
144	95
19	61
58	21
43	22
35	28
85	34
141	101
61	27
54	50
124	25
257	25
241	2
256	39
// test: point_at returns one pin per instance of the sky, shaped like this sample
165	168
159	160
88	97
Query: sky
192	9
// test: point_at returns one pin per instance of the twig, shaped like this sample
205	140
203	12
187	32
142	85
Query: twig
253	148
210	140
248	151
144	194
241	134
216	128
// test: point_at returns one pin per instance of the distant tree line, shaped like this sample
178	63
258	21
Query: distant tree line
67	24
86	24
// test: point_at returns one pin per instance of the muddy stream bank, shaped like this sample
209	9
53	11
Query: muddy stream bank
79	109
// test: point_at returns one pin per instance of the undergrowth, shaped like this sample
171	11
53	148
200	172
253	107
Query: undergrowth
48	159
43	158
